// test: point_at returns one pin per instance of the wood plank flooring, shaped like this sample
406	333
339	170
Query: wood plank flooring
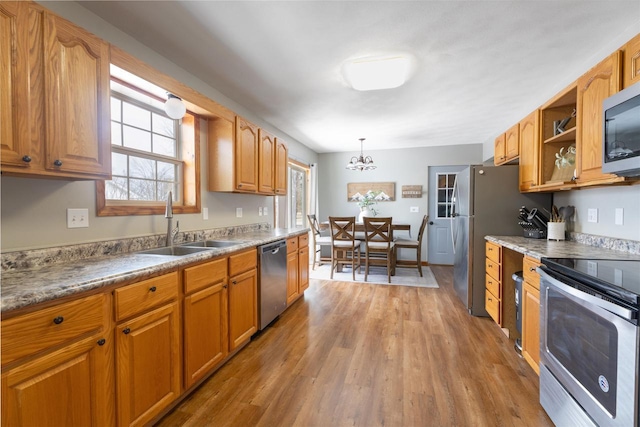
351	354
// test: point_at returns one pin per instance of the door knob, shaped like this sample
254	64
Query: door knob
430	222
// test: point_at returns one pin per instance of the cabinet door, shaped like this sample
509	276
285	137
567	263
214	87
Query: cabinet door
631	62
500	150
205	331
600	82
292	276
72	386
531	326
148	364
246	156
243	308
303	269
512	142
281	167
529	140
77	102
266	163
17	49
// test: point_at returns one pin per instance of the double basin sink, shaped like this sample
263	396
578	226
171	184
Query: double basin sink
191	247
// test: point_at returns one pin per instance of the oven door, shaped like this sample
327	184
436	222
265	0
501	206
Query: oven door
592	354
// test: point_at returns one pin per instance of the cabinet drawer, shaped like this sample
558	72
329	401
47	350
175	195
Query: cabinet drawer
492	305
493	269
242	262
139	297
201	276
493	286
33	332
493	251
529	272
292	244
303	241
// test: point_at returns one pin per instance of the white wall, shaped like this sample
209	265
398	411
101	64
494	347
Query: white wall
403	167
33	211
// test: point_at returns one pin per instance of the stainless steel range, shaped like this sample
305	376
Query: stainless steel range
589	339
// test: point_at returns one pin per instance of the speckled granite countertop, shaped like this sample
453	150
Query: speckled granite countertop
27	286
542	248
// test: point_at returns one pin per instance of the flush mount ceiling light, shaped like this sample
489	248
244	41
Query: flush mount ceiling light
361	163
174	107
385	72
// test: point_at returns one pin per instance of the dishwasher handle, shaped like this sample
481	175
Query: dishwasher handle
273	248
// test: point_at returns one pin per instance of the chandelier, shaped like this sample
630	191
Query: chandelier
361	163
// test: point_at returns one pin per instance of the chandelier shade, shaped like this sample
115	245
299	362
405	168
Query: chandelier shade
361	163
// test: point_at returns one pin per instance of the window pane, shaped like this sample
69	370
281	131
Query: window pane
163	125
136	116
166	171
141	189
442	181
142	168
163	145
136	138
442	211
163	190
115	109
116	189
442	195
451	180
118	164
116	133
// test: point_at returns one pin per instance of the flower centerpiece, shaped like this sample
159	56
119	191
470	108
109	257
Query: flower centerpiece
366	203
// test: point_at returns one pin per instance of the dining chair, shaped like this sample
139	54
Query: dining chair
412	244
345	248
379	244
318	241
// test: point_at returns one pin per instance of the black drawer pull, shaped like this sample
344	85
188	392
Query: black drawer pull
58	320
152	289
57	163
26	159
126	331
101	341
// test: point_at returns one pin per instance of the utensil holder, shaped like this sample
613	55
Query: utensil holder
555	230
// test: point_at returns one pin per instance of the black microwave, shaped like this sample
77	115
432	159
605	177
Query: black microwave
621	132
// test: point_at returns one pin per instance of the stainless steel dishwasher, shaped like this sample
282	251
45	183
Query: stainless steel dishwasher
273	281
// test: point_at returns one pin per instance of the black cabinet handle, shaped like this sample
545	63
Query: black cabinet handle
532	269
101	341
58	320
126	331
26	159
152	289
225	286
57	163
234	282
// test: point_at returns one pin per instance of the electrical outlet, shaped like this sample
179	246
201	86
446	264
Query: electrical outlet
238	212
619	216
414	209
264	211
77	218
592	215
260	211
205	213
592	268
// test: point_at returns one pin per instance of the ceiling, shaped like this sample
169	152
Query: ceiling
480	66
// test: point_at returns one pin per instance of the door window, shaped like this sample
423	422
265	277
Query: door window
297	208
444	192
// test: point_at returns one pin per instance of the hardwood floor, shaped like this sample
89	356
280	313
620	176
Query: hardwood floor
351	354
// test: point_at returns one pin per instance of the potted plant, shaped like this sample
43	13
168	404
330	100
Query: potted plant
366	203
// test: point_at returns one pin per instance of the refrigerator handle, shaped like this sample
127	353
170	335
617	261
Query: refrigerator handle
454	200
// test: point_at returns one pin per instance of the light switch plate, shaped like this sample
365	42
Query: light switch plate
260	211
238	212
264	211
619	216
592	268
205	213
77	218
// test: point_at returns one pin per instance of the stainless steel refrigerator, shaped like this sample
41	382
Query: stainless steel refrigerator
485	201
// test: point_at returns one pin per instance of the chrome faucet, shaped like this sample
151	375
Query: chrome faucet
168	213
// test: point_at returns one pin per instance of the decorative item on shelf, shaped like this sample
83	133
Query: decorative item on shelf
174	107
412	191
559	126
565	164
366	203
361	163
556	226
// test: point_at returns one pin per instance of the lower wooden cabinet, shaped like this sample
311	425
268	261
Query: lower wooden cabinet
531	314
243	297
72	384
297	266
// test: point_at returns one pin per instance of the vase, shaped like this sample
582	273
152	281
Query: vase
555	230
364	212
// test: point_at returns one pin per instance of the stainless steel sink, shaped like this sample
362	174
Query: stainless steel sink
213	243
173	251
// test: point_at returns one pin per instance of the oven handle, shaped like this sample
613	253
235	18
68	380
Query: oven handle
611	307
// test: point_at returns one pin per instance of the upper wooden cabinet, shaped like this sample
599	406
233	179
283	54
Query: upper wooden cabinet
528	131
599	83
55	97
507	146
631	62
245	159
499	150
